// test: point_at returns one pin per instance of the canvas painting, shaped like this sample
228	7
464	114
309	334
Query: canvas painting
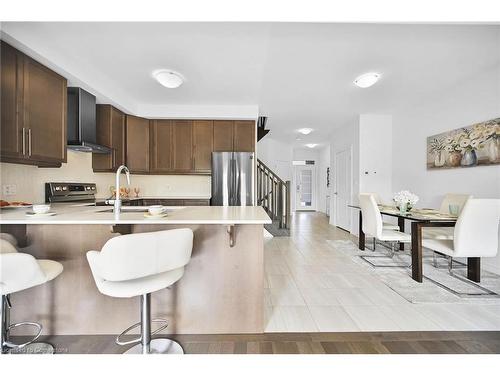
477	144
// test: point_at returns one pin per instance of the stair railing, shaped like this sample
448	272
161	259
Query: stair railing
273	194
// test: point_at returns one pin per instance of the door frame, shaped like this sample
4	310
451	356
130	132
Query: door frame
312	167
351	185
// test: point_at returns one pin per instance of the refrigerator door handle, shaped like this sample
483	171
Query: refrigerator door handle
237	182
232	194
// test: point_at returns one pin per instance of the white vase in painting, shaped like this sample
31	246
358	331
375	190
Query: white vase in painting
494	150
439	159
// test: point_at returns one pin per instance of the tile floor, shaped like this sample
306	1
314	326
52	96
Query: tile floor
310	287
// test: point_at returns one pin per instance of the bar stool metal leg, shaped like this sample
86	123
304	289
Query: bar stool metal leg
146	344
28	347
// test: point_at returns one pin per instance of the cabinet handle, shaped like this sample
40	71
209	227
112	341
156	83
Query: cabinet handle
24	141
29	142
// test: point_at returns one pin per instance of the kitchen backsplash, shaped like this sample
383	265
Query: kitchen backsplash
29	180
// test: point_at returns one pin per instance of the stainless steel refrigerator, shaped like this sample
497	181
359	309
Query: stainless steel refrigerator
233	178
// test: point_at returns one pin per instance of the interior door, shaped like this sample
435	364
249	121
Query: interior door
342	193
305	199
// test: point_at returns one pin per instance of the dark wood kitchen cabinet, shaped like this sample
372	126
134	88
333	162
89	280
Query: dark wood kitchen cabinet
161	146
34	99
182	145
110	132
203	145
12	133
244	136
235	136
223	135
137	130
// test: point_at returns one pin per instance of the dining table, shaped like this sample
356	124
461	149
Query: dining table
419	218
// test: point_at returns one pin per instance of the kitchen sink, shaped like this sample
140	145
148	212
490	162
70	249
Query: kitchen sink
139	209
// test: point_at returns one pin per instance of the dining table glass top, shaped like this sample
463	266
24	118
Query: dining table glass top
416	214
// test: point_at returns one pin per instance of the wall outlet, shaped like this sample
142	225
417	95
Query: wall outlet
9	189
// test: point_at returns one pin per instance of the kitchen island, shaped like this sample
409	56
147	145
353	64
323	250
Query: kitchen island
220	292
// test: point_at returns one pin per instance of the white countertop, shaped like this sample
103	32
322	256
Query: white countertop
67	213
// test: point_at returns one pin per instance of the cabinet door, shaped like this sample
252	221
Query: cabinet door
103	162
223	135
203	144
161	144
44	102
12	145
137	144
197	202
244	136
117	138
182	139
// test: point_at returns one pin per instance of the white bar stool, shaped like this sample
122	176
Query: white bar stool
19	271
137	265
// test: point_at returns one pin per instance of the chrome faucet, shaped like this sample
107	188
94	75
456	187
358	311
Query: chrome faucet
118	201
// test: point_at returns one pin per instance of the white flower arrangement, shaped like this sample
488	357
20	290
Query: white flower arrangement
405	198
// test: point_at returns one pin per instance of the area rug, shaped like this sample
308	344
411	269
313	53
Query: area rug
438	285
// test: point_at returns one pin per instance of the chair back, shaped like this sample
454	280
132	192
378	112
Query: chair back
476	231
18	271
372	219
133	256
6	245
455	199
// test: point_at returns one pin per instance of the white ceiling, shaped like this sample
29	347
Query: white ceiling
299	75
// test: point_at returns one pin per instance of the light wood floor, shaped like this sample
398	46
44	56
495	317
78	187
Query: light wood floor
312	287
304	343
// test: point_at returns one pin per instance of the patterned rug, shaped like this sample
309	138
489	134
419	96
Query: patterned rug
438	285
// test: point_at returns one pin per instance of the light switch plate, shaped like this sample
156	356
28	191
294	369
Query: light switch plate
9	189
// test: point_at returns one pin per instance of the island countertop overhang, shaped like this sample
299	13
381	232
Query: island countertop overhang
77	214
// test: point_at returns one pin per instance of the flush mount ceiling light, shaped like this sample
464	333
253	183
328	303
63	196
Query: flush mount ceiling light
311	145
305	131
168	78
367	80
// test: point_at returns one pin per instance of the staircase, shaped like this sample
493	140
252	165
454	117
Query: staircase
273	194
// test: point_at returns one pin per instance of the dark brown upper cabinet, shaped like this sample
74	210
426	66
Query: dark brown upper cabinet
203	145
182	145
137	130
33	111
110	132
234	136
161	146
244	136
223	135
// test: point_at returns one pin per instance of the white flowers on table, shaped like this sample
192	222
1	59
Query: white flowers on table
405	198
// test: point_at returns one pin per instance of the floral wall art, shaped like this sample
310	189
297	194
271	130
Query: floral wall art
477	144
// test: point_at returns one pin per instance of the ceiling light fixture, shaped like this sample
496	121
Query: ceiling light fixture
168	78
311	145
305	131
367	80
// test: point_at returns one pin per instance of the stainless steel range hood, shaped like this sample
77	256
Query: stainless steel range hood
82	122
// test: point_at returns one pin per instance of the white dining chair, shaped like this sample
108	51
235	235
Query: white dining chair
387	225
476	232
373	226
446	233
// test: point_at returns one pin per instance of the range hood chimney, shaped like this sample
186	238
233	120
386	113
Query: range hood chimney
82	122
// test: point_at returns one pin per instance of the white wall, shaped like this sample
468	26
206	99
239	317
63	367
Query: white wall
474	100
375	155
30	180
276	155
323	191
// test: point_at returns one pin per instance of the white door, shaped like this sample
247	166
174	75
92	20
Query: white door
342	192
305	188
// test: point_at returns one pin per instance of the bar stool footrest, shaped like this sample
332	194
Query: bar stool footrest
11	345
137	340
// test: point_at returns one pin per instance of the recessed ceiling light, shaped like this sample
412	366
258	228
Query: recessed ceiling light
168	78
305	131
367	80
298	139
311	145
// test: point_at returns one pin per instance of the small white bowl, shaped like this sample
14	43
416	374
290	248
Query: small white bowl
156	210
41	208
